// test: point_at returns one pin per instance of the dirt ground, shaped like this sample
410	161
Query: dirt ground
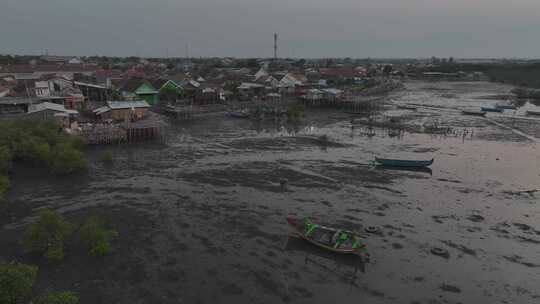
202	217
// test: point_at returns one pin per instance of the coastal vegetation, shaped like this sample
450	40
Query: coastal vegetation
295	112
525	74
107	157
96	237
62	297
51	233
16	282
48	236
41	143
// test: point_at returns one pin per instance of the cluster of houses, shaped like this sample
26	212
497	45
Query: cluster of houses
69	87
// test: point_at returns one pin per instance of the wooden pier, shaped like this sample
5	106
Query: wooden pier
348	102
98	134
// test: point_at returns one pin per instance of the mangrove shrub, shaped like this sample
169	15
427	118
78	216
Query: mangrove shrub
16	282
41	143
96	237
47	236
64	297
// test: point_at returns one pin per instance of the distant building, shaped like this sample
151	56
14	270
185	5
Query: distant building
249	90
11	106
137	89
125	111
44	88
49	110
147	93
75	60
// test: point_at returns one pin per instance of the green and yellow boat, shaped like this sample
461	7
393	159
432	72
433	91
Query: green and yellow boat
332	239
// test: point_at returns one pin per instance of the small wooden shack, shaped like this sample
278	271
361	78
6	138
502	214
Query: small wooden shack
122	110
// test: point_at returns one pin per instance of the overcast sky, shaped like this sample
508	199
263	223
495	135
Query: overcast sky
244	28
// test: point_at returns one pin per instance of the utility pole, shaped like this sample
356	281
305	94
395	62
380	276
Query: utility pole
275	46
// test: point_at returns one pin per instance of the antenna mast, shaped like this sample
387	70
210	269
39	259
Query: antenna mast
275	46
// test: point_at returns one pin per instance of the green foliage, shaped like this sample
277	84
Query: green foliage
4	186
47	236
170	93
5	159
41	143
96	237
16	282
64	297
295	112
65	159
115	95
107	156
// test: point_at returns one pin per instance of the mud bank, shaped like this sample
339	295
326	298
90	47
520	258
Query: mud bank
202	218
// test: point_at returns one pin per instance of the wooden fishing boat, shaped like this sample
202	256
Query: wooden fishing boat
238	114
407	107
533	112
404	162
506	107
332	239
473	112
409	169
490	109
356	261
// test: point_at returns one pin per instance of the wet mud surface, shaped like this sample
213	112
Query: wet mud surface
202	217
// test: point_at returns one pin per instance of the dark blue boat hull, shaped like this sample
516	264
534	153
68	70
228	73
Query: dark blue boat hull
507	107
492	109
404	163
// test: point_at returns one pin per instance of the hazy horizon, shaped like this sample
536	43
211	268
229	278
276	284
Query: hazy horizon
244	28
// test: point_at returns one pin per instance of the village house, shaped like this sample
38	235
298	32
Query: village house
106	77
314	94
22	71
49	110
292	83
249	90
91	91
168	89
122	111
60	91
340	74
4	91
14	106
135	89
207	95
147	93
43	88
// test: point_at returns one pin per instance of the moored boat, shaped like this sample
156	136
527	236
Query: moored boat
490	109
407	107
506	107
404	162
332	239
238	114
473	112
533	112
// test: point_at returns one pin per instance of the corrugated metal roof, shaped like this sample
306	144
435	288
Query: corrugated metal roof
127	104
17	100
102	110
49	106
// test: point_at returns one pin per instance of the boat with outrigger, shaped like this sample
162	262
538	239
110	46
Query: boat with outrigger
332	239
